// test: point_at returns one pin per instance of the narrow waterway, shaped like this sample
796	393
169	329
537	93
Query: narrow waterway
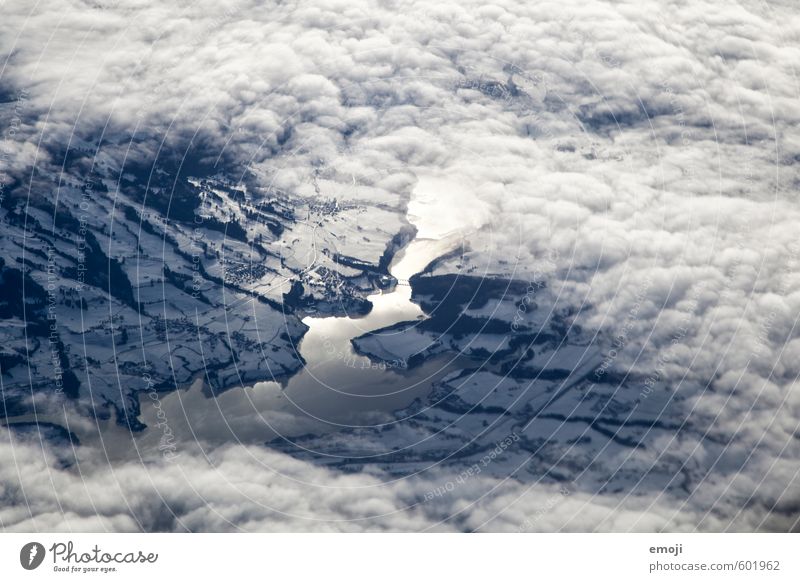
336	389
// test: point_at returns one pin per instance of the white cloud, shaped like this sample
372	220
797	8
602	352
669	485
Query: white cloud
664	149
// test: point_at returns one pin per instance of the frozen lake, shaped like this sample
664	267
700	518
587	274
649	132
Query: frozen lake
337	388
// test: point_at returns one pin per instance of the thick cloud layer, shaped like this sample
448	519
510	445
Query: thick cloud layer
237	488
641	157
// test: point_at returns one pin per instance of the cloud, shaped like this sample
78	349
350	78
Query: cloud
654	156
238	488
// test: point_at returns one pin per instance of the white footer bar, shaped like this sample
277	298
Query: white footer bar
399	557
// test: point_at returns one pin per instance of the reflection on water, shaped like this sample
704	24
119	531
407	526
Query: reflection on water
337	388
